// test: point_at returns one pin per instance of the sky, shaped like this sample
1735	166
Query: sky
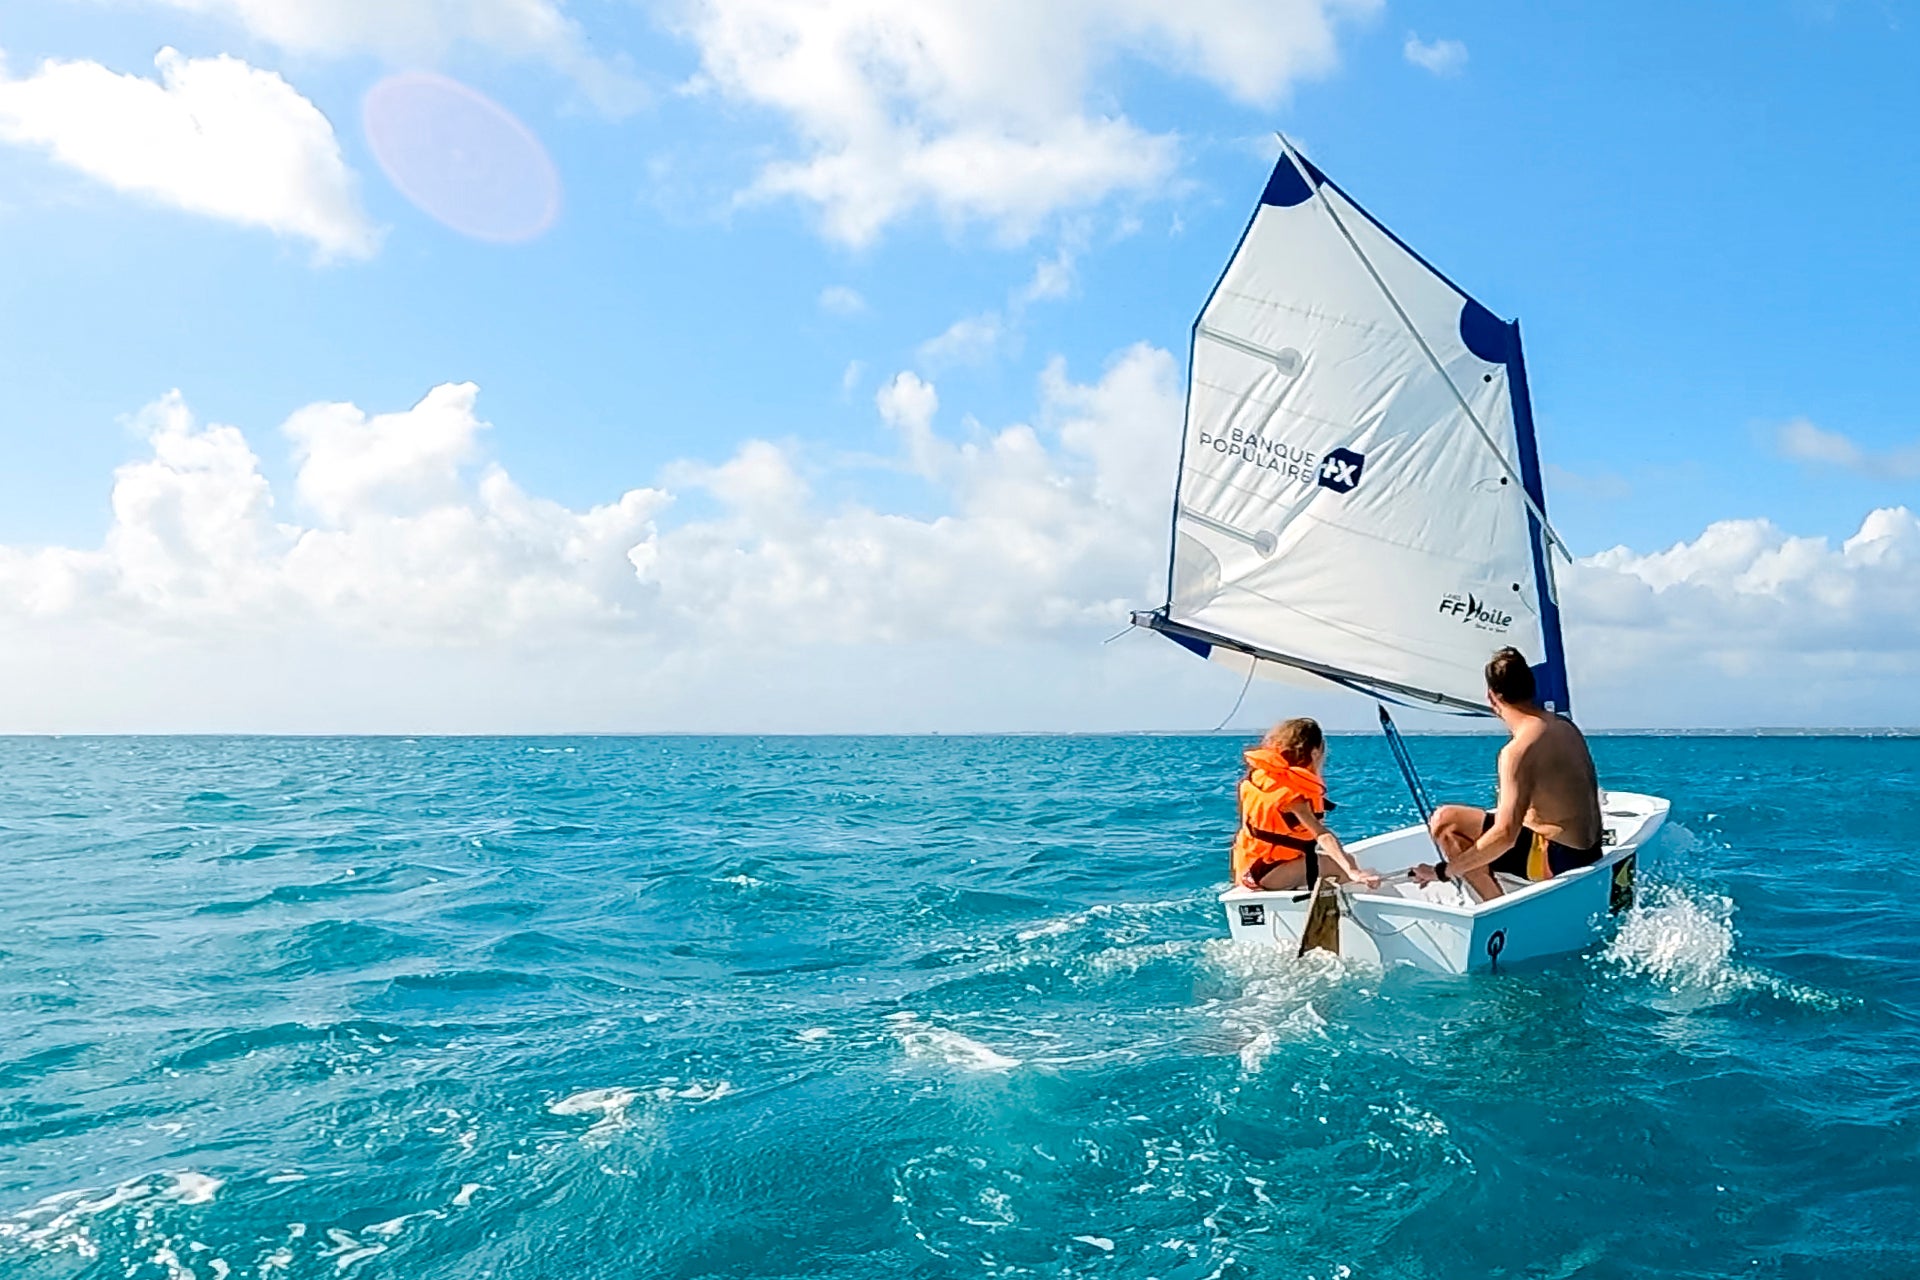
817	365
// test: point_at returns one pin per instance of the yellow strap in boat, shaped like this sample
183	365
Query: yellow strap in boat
1537	867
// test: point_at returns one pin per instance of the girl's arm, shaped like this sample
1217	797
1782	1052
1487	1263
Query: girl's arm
1330	843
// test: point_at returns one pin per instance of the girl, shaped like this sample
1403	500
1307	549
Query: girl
1282	801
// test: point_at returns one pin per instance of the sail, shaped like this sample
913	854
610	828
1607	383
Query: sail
1359	495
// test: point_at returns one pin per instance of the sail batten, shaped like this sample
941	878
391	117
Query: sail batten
1359	493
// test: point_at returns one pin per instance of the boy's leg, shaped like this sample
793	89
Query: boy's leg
1455	827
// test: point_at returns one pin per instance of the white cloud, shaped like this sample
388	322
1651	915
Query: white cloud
968	340
907	405
1747	624
840	300
405	535
977	339
409	32
401	548
850	377
1805	442
1442	57
1052	279
986	110
212	136
404	581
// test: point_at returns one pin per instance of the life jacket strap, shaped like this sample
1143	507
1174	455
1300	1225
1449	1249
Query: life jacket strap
1295	843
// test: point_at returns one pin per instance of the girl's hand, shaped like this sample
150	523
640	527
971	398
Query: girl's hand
1371	879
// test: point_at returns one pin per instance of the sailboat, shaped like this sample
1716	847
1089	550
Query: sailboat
1359	505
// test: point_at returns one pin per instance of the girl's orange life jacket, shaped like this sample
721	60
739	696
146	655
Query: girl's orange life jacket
1269	831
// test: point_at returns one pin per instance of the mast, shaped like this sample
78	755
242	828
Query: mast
1550	671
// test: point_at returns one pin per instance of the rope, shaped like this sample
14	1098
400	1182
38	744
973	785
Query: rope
1346	909
1251	668
1433	359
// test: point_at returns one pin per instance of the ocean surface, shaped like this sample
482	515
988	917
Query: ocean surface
925	1007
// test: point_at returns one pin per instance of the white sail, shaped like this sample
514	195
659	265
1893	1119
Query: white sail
1359	494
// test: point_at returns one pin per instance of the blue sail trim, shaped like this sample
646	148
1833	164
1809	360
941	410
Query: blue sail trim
1550	673
1321	179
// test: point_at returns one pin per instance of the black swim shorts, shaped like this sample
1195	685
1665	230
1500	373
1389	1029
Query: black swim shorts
1535	857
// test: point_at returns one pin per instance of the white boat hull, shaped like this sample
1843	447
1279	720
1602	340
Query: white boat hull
1398	924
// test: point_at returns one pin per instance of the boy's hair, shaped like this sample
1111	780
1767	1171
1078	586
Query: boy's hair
1296	740
1509	678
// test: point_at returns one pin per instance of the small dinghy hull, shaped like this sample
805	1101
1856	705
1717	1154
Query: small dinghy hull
1441	928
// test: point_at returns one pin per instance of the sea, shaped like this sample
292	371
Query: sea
861	1007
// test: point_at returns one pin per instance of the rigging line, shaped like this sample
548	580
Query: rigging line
1116	635
1433	359
1252	666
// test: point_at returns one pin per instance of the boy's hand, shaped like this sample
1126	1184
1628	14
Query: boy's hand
1425	873
1371	879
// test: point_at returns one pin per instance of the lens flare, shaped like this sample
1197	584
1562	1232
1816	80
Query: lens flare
461	158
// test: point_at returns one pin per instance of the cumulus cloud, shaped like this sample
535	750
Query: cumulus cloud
1805	442
398	538
212	136
985	110
402	580
1748	624
1442	57
409	32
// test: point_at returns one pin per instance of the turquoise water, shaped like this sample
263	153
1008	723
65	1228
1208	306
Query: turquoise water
929	1007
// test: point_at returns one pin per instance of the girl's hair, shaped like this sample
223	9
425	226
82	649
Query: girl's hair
1296	740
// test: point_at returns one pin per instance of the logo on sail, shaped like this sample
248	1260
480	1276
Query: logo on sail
1340	470
1337	469
1474	611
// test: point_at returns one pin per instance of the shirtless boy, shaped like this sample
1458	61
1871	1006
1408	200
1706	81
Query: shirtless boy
1547	818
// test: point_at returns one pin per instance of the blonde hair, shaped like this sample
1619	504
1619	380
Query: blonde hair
1296	740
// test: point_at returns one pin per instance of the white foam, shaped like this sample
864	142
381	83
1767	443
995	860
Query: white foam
920	1040
609	1104
1125	960
813	1035
346	1250
465	1196
692	1091
1684	941
1676	939
1099	1242
193	1188
176	1269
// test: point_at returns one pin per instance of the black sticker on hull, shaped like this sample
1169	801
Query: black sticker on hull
1253	913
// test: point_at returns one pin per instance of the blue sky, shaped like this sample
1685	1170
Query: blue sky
1701	214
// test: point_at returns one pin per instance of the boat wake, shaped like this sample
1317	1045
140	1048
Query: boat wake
1683	941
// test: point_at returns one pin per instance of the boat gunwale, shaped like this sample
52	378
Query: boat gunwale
1654	815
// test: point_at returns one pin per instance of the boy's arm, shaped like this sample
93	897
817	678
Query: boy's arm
1516	794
